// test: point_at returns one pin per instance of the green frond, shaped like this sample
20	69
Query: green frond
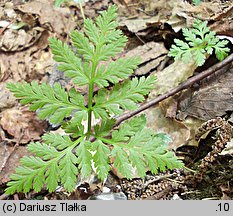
101	159
199	56
26	175
83	45
104	30
53	163
84	158
107	21
189	35
43	150
30	163
104	128
115	101
121	162
107	40
107	25
129	128
158	157
74	127
59	159
116	71
57	141
111	49
141	149
68	171
71	64
137	161
38	181
221	51
53	103
52	176
92	31
200	42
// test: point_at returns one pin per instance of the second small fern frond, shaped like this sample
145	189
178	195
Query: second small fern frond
200	43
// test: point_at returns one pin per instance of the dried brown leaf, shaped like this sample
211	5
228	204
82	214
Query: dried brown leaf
9	160
178	131
151	54
211	101
22	125
6	98
51	18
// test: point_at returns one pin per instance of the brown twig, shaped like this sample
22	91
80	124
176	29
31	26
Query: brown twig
4	196
157	178
3	29
177	89
160	195
12	151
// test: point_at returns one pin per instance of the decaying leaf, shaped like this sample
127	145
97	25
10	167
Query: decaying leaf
167	79
22	125
151	55
223	27
21	65
172	76
51	18
184	13
25	55
16	40
179	133
228	149
211	101
136	25
9	160
6	97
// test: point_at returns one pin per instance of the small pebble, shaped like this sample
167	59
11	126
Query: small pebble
109	196
176	197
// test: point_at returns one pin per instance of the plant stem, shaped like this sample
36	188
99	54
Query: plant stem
90	98
82	12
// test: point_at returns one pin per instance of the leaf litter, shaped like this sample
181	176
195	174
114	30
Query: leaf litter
25	56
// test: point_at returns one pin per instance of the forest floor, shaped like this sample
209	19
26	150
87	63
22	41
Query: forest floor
198	117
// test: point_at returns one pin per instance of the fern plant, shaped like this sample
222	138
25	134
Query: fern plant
196	2
200	43
58	159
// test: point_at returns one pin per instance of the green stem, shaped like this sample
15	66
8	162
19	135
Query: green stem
111	142
90	98
190	170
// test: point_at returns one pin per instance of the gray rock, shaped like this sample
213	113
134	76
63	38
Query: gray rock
109	196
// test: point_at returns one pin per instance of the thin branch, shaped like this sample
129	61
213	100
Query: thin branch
7	26
82	12
4	196
157	178
175	90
